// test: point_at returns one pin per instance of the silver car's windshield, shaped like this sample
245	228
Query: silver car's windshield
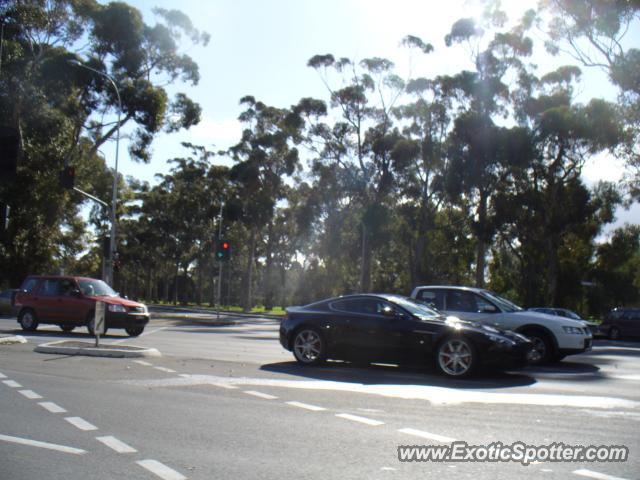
504	304
98	288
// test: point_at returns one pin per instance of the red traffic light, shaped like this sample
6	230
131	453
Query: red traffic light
225	245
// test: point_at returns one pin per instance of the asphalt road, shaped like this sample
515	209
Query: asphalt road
226	401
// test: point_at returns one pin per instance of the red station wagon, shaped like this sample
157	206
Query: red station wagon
70	302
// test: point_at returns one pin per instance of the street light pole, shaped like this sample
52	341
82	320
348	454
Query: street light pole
220	260
114	198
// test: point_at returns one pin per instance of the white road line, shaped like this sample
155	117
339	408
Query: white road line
599	476
165	369
306	406
52	407
427	435
356	418
81	423
161	470
2	375
30	394
115	444
266	396
149	332
142	362
35	443
12	383
625	377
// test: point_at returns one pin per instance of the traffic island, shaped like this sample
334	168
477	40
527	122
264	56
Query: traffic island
67	347
11	339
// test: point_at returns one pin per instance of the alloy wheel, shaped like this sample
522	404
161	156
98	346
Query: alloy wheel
455	357
307	346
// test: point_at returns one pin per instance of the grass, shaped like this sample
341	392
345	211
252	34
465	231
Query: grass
227	308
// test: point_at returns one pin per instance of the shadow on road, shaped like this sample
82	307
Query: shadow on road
397	375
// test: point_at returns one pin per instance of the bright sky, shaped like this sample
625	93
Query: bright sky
261	48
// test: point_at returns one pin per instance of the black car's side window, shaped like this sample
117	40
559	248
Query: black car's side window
366	306
432	297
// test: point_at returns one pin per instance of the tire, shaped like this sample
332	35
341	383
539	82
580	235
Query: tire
309	346
67	328
134	331
614	333
28	320
544	352
457	357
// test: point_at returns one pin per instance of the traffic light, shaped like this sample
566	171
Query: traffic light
68	177
223	250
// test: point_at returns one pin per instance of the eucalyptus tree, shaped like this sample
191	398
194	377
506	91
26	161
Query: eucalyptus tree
479	164
55	107
265	156
357	148
596	34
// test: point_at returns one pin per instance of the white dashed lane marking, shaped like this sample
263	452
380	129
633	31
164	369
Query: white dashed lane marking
52	407
427	435
266	396
30	394
2	375
142	362
598	476
12	383
161	470
38	444
165	369
117	445
356	418
80	423
306	406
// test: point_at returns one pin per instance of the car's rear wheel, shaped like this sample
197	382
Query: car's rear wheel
542	347
28	320
457	357
614	333
67	328
134	331
309	346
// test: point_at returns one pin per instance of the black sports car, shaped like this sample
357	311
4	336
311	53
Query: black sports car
388	328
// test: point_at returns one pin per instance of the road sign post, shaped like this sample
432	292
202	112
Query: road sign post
98	321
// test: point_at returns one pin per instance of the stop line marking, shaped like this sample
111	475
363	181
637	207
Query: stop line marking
38	444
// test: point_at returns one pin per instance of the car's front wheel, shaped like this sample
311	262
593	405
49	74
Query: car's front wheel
134	331
456	357
542	347
309	346
28	320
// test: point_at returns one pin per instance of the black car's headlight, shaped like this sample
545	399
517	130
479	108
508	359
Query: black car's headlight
501	340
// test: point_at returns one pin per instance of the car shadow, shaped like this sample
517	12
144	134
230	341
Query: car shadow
376	374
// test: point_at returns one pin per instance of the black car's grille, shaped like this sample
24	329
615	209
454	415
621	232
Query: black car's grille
136	309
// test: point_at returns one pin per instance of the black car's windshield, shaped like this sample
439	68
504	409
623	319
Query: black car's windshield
415	308
96	288
504	304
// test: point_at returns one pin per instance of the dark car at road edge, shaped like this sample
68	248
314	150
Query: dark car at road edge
388	328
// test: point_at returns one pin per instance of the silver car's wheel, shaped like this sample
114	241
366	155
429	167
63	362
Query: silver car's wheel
28	320
309	347
542	349
456	357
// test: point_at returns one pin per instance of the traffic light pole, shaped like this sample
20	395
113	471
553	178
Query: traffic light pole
220	261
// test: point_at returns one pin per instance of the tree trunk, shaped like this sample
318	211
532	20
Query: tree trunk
365	267
552	271
175	283
481	246
248	274
268	280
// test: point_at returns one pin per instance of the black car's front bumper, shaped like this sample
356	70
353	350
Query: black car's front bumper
125	320
508	357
